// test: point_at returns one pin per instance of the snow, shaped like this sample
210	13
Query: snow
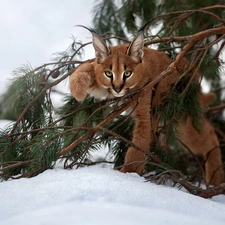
100	195
5	123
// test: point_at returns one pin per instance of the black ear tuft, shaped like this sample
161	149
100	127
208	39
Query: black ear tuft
90	29
145	25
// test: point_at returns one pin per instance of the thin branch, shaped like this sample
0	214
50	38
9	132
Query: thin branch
192	39
178	177
215	108
96	128
15	164
48	86
131	144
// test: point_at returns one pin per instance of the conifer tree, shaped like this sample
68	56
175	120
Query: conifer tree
174	21
42	134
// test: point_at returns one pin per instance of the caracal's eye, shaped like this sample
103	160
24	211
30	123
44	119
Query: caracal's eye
127	73
109	74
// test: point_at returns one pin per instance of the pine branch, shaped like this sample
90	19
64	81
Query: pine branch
215	108
192	39
157	160
178	178
97	127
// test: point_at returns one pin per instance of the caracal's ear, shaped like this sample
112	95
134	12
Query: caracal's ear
136	47
101	49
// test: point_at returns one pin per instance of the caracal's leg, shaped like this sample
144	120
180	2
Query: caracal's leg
135	158
205	143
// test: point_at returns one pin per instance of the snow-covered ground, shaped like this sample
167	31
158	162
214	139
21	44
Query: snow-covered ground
99	195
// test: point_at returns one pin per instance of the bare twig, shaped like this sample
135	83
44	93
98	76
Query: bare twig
178	177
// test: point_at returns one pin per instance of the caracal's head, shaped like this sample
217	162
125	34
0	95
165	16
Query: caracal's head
117	68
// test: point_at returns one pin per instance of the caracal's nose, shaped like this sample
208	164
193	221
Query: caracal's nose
118	89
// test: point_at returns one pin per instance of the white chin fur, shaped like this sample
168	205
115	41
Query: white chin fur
118	95
99	93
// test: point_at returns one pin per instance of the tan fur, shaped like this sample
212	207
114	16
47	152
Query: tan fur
145	64
207	99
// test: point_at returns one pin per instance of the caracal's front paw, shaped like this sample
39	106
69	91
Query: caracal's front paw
132	168
80	81
134	162
79	84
